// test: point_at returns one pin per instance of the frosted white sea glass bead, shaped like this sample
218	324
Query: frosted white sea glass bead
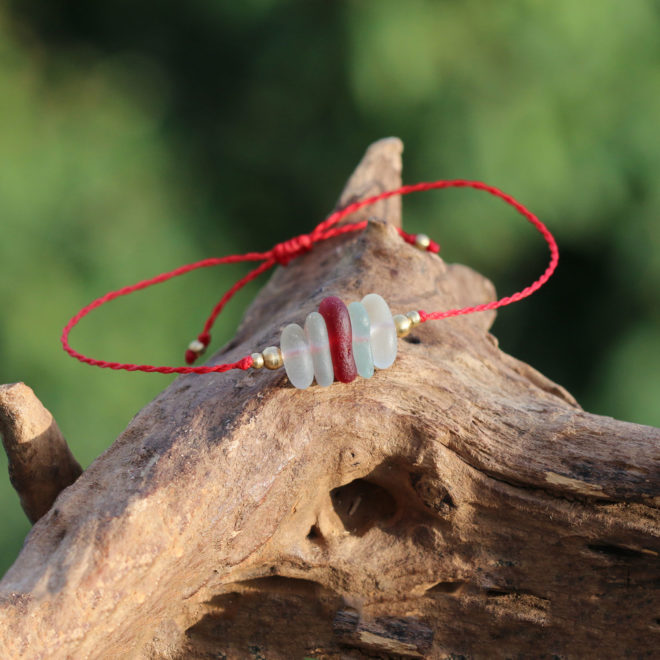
361	327
297	356
383	330
316	334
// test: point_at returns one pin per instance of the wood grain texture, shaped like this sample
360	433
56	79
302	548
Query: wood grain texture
458	504
40	462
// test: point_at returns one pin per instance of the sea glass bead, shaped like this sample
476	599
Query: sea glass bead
383	330
316	334
338	322
297	356
361	327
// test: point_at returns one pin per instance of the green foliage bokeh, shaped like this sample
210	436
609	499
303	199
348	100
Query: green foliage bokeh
133	141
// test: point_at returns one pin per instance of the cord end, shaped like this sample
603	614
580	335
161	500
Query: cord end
196	348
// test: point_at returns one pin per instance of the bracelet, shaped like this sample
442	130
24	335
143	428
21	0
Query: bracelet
339	341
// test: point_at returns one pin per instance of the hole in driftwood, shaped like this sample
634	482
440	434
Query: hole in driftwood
447	587
412	339
282	584
615	551
432	493
361	505
314	535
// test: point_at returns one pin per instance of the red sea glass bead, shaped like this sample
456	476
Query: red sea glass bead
338	322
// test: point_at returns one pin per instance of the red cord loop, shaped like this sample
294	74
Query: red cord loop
284	252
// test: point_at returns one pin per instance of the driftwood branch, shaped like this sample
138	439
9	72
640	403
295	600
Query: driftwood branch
458	504
40	462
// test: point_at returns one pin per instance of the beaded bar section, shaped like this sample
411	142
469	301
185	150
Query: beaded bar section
339	342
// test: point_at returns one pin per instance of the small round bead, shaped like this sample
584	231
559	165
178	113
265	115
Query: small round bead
257	360
402	324
422	241
272	357
196	346
415	318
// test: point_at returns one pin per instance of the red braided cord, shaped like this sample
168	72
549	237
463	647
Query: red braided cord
284	252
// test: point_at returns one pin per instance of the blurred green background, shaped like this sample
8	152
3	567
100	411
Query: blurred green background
138	136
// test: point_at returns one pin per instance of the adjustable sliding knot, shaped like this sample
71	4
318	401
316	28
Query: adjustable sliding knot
284	252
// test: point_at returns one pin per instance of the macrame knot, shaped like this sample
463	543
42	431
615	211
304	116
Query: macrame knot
294	247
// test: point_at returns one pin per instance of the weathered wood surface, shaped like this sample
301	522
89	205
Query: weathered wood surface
458	504
40	462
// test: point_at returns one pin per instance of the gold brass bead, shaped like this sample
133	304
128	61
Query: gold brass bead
402	324
257	360
196	346
415	318
272	357
422	242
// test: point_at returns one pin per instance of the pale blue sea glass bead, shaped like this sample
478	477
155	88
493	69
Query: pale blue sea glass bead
361	327
316	334
383	330
297	356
